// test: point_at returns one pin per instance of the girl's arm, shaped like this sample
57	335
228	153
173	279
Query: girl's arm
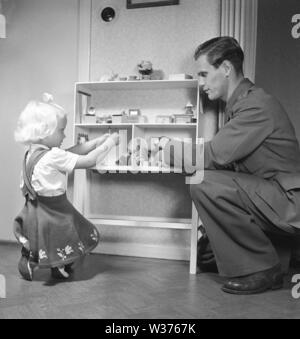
88	146
98	154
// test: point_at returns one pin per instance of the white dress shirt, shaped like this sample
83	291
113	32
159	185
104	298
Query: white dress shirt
49	177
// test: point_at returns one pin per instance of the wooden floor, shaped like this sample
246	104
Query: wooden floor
110	287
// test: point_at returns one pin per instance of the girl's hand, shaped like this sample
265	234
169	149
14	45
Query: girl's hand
101	140
115	138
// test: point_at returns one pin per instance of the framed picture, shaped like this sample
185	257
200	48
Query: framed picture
131	4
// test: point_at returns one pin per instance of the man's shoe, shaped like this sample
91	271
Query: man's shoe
206	262
271	279
210	267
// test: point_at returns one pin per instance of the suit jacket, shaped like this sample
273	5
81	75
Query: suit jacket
258	139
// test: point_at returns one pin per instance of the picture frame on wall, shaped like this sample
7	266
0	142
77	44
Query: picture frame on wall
132	4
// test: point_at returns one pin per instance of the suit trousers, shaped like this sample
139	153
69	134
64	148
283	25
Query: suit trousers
238	231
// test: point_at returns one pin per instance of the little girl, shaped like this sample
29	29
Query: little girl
52	233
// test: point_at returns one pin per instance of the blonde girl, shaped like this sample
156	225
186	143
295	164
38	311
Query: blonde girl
53	234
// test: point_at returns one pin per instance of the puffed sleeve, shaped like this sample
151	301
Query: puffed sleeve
251	124
62	160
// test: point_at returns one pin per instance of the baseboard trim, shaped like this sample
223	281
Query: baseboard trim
8	242
143	251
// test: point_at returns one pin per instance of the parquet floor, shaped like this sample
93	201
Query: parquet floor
109	287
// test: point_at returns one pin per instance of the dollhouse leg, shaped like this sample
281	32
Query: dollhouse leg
80	182
194	241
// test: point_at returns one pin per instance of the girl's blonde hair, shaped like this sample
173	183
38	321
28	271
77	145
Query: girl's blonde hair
38	120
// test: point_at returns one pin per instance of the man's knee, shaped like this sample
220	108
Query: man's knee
205	187
195	191
215	184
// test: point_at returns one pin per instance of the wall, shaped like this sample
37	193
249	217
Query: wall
168	36
39	54
278	54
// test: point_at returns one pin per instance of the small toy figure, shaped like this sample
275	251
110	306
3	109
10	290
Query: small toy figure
156	155
109	77
144	152
82	139
145	69
189	109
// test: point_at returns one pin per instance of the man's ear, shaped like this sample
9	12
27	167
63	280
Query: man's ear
227	67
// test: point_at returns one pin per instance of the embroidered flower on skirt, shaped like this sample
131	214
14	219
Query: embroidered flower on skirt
81	247
64	253
94	236
42	255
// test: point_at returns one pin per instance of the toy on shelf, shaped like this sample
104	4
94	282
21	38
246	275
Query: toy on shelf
109	77
182	119
186	118
117	118
145	68
181	76
90	116
104	119
133	78
134	116
189	109
144	152
82	138
164	119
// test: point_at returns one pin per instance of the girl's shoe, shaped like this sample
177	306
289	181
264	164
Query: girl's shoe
59	273
25	268
69	268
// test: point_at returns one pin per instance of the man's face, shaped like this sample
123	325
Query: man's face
213	80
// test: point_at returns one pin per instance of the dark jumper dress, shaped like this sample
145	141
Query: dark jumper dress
58	234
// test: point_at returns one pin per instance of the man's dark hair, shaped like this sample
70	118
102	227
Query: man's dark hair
223	48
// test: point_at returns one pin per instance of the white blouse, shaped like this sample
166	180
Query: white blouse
49	177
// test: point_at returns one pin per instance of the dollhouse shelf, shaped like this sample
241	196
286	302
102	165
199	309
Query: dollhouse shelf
137	169
150	207
105	126
137	85
183	224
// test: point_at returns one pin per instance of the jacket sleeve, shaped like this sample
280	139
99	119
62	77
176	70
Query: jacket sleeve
250	126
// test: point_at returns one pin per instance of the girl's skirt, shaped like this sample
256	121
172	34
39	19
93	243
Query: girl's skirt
58	234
